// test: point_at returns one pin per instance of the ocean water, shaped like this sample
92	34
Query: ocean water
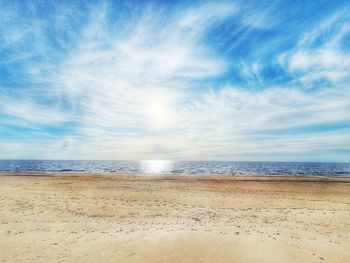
180	167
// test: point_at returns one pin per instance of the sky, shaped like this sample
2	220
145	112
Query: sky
179	80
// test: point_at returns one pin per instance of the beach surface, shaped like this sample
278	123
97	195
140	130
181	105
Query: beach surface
136	218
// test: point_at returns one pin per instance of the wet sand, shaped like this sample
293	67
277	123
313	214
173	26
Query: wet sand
103	218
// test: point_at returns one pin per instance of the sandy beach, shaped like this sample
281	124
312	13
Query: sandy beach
105	218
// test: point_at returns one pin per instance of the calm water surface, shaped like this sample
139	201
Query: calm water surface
181	167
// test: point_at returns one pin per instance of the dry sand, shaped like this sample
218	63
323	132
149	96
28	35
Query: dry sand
86	218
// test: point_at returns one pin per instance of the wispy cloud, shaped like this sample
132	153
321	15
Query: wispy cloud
321	54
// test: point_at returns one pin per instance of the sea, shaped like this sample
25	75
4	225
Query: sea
178	167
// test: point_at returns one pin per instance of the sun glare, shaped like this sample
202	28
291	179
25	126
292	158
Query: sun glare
157	111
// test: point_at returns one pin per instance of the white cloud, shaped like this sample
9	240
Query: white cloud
319	55
27	110
233	121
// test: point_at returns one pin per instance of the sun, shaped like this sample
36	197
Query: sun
158	111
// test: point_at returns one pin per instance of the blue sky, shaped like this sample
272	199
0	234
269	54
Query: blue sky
182	80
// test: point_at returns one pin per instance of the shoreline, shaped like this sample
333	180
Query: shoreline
185	177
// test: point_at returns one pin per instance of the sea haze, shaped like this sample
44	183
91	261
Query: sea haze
178	167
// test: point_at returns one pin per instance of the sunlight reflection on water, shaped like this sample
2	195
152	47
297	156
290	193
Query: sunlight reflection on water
156	166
